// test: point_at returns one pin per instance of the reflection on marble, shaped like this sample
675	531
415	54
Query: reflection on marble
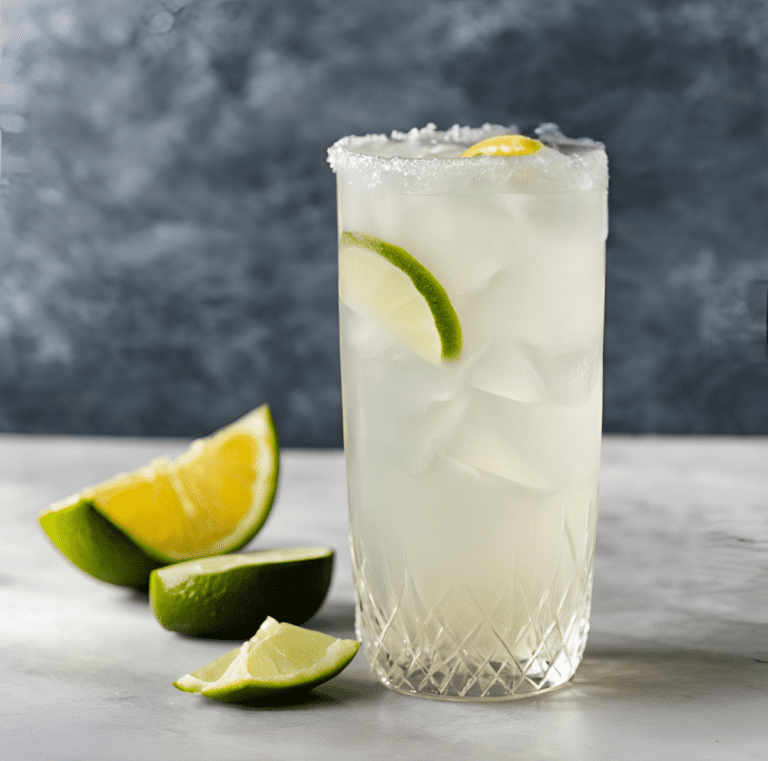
168	222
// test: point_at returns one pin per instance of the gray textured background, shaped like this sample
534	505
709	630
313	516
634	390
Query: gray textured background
168	221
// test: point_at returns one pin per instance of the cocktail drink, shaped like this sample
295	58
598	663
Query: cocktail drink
471	292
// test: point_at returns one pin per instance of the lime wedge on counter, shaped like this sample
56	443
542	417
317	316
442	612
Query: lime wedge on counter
228	596
279	660
384	282
211	499
504	145
95	546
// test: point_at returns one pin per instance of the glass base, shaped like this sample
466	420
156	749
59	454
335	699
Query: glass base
471	699
447	658
458	678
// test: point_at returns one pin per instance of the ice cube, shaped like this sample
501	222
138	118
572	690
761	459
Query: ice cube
525	373
551	300
430	431
540	446
505	368
526	486
571	376
562	219
365	337
477	443
463	241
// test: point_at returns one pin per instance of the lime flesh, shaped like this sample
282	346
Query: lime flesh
279	660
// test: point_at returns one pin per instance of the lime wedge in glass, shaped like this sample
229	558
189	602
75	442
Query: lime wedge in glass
228	596
384	282
280	660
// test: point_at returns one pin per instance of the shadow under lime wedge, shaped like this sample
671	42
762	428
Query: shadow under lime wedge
278	661
212	499
228	596
385	282
95	546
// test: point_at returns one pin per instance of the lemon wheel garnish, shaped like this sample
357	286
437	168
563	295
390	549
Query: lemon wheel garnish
212	499
385	282
504	145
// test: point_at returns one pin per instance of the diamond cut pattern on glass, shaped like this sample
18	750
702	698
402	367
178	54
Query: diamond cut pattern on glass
452	645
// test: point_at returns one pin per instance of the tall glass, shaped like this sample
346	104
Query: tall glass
473	479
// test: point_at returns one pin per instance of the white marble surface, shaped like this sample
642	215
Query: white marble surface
676	667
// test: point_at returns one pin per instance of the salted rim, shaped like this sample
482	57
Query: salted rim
564	164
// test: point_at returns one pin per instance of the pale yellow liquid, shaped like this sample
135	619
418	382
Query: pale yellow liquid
473	484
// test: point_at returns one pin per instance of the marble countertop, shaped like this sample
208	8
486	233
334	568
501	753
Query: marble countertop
676	666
